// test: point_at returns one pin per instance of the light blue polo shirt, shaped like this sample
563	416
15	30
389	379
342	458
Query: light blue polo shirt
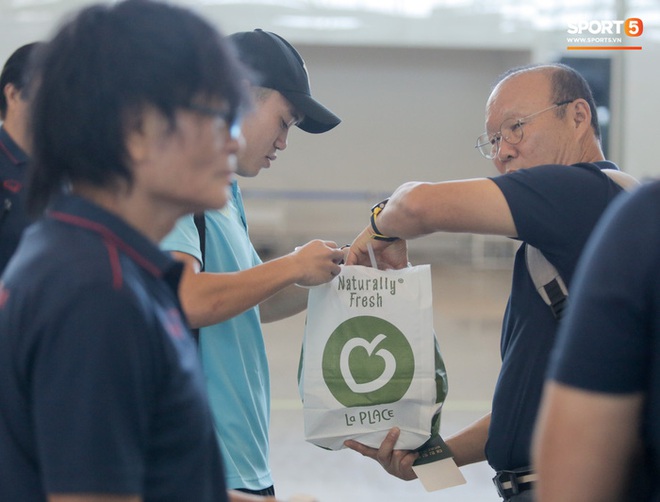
233	352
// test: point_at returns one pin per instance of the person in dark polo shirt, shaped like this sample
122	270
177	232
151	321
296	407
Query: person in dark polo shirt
101	392
14	148
543	137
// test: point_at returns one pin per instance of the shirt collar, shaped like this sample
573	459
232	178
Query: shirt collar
11	149
78	211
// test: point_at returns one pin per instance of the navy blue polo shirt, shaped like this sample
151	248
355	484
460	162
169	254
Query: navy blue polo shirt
555	208
609	342
13	220
101	390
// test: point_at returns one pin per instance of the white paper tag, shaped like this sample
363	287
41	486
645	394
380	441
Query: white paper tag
439	474
435	467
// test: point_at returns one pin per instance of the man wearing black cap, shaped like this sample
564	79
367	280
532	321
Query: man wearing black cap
236	291
14	146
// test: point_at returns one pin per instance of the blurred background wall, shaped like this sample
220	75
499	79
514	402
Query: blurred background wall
410	80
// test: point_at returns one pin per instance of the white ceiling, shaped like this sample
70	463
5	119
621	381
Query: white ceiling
529	24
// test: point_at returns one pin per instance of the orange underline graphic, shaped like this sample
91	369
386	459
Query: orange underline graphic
603	48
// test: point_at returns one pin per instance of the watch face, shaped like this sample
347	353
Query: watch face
380	206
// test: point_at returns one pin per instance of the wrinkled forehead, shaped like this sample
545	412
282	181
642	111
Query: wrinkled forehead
517	96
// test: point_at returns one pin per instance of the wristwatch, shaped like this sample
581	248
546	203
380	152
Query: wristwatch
375	211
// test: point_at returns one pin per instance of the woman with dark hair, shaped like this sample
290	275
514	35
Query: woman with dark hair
101	394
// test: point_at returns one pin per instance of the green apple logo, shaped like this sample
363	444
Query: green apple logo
366	361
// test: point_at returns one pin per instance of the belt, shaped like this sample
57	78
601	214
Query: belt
510	483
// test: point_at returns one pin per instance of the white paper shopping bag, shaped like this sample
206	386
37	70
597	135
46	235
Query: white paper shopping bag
370	359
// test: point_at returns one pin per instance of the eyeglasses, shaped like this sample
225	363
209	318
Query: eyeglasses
511	131
225	119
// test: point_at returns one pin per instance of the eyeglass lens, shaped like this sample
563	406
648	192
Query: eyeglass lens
223	119
511	131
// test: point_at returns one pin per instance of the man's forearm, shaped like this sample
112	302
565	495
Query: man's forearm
470	206
468	445
211	298
285	303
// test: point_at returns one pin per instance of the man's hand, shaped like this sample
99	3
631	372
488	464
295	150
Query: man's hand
397	462
318	262
388	254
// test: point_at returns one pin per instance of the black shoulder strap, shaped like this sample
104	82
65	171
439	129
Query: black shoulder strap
200	223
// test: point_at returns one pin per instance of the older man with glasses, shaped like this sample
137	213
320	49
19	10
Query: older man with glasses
542	135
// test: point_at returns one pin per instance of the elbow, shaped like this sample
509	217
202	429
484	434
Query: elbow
208	315
203	309
195	316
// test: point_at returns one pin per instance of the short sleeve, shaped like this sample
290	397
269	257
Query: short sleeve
555	208
183	238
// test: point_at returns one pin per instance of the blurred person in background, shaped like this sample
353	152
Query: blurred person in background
102	396
14	149
597	438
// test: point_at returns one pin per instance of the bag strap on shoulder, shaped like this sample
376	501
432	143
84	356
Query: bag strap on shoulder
200	224
624	180
547	281
546	278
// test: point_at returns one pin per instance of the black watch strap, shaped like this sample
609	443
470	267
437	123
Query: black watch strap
375	211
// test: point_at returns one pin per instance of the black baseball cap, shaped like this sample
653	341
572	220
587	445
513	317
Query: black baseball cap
276	64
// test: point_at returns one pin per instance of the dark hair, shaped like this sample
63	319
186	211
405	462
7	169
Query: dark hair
99	72
16	72
567	84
